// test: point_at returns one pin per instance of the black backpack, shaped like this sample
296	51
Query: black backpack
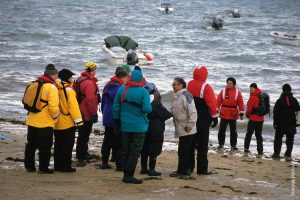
264	105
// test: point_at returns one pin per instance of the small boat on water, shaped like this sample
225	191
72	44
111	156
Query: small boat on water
285	38
235	13
166	8
116	49
216	22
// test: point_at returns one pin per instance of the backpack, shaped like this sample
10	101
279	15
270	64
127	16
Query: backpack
76	88
32	100
264	105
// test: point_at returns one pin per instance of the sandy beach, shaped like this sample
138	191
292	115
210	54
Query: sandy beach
235	176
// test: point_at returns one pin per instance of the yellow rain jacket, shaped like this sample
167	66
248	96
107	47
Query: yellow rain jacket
47	117
69	109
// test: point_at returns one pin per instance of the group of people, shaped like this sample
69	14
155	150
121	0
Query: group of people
134	120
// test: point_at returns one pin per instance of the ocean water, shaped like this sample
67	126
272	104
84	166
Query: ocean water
68	33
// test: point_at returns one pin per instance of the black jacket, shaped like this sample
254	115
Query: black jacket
284	112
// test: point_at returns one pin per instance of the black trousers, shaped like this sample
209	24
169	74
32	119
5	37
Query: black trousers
63	146
185	154
257	127
41	139
201	140
144	161
112	141
83	139
132	144
222	131
279	133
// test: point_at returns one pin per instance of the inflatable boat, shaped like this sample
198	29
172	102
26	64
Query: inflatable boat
166	8
116	49
285	38
213	22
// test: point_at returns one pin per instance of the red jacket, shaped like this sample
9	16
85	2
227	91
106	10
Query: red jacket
90	101
253	102
195	86
230	103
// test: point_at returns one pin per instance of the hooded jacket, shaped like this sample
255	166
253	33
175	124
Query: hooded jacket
184	112
108	95
70	115
230	103
253	102
131	104
205	100
91	98
284	112
47	117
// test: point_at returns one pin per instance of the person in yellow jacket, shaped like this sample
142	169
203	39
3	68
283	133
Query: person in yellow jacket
41	124
69	119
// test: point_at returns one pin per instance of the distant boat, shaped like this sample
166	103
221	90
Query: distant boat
116	49
235	12
213	22
166	8
285	38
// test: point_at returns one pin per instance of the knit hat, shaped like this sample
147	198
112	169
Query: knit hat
65	74
50	70
127	68
120	72
90	66
254	85
132	58
286	88
232	80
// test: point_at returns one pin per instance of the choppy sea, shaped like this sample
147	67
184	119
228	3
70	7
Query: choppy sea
68	33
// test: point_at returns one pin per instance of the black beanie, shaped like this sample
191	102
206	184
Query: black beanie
65	74
232	80
120	72
50	70
286	88
253	85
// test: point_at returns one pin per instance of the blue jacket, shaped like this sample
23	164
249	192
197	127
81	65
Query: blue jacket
132	111
108	96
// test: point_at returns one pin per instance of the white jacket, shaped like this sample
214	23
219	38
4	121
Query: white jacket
184	113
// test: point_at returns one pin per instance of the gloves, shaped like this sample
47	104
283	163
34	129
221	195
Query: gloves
214	122
117	126
241	116
94	118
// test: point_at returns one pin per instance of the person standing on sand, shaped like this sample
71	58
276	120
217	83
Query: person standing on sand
112	138
185	118
255	121
154	137
131	104
69	119
206	105
90	98
285	121
231	107
41	124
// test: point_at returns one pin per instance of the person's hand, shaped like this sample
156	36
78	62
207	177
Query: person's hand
188	129
94	118
241	116
214	122
117	126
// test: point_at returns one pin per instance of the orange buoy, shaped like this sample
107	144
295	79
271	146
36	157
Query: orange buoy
148	56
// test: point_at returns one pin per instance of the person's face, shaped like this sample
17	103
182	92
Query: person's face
252	89
229	84
54	77
124	79
94	72
176	86
70	80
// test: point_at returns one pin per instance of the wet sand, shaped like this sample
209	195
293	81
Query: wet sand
235	176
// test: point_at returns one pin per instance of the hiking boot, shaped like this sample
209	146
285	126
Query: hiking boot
175	174
105	166
246	151
152	172
144	171
30	169
288	158
205	173
220	147
47	171
81	163
234	148
260	153
132	180
275	157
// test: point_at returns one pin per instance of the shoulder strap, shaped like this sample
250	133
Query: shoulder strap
202	90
